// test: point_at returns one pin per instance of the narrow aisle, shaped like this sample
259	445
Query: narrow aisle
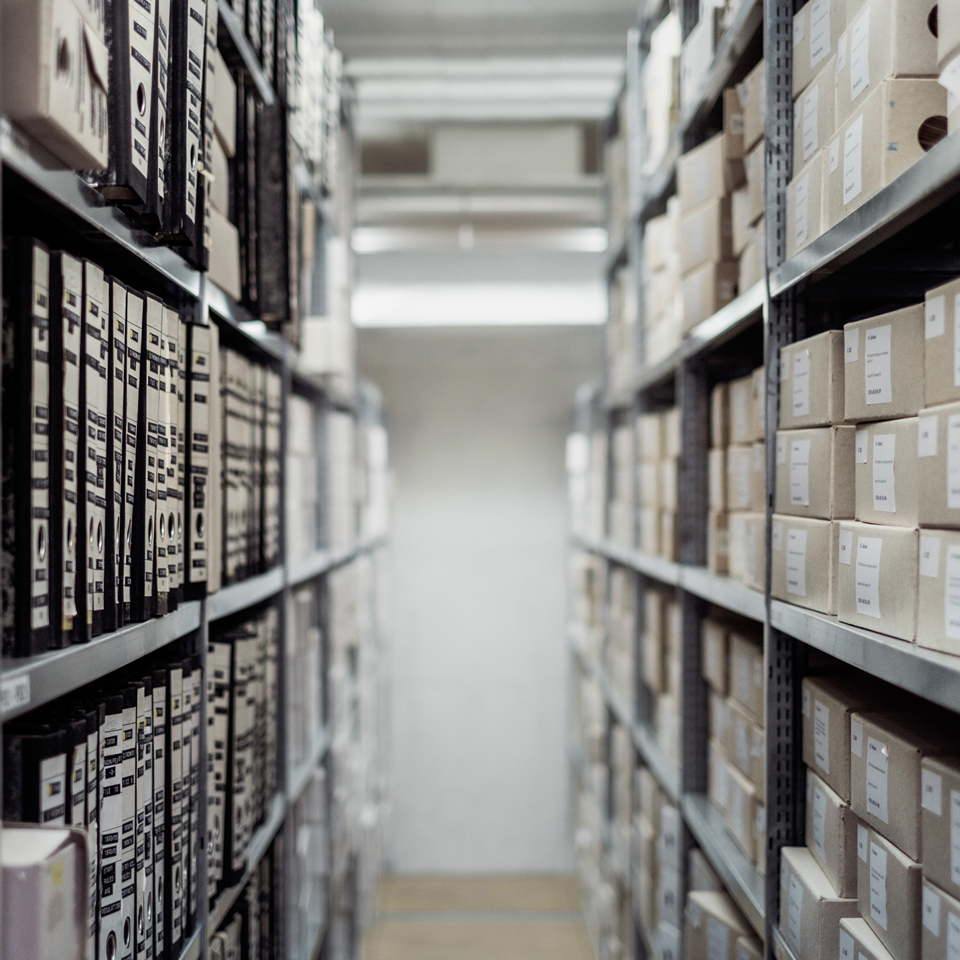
478	918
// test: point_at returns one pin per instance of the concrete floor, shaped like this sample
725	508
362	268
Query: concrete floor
478	918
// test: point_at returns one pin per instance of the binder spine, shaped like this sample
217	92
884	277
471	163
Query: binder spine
128	836
111	933
116	430
272	470
133	464
160	734
198	430
182	526
194	861
174	883
205	240
76	813
152	213
26	573
186	763
95	719
140	790
162	587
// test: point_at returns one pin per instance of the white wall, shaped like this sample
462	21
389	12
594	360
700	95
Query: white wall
477	423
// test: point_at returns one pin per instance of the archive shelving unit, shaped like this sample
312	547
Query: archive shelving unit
886	254
72	213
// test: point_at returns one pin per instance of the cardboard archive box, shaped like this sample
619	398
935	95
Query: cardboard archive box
700	174
859	942
940	822
755	167
746	673
707	289
806	218
811	382
741	814
747	548
814	117
739	485
732	145
717	478
720	415
883	366
815	472
752	92
804	562
832	835
941	362
940	930
938	591
888	472
706	235
715	634
713	918
939	457
746	408
817	27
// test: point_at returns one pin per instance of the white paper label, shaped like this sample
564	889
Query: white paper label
797	563
954	836
853	160
934	317
14	693
819	31
878	885
862	842
953	461
846	546
846	946
884	481
821	736
931	792
795	911
811	131
800	473
876	367
806	703
856	738
950	77
956	340
820	823
868	576
842	51
953	936
781	449
931	911
877	763
930	557
927	436
951	594
801	383
863	445
834	155
777	535
851	345
860	55
798	27
718	939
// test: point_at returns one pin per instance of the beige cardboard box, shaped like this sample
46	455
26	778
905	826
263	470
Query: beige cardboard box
746	410
670	535
672	440
740	217
752	92
892	129
645	891
741	815
815	472
652	797
758	389
706	290
752	262
650	530
810	910
717	478
885	38
805	221
224	269
700	174
706	235
832	835
738	738
718	720
225	108
948	34
938	606
746	672
713	918
940	931
755	166
220	185
827	705
888	893
953	109
648	483
718	777
886	752
940	822
941	364
887	472
938	435
758	477
859	942
814	118
701	874
747	545
718	542
804	562
733	152
811	381
653	665
719	415
669	469
877	578
816	30
883	366
740	477
650	446
714	638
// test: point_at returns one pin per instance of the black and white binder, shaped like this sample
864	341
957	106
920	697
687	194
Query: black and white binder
75	729
132	482
141	789
198	431
182	515
186	765
111	942
66	297
161	731
151	212
173	903
26	573
128	827
215	547
193	871
92	475
172	347
145	486
162	585
94	715
219	665
133	23
272	469
116	431
35	774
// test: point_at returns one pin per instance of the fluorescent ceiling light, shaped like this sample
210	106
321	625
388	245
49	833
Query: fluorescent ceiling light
479	305
366	240
364	67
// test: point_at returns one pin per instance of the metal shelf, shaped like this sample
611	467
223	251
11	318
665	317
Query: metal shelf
666	774
258	847
299	776
21	154
236	316
249	59
322	561
666	571
933	179
738	874
315	383
34	681
656	185
191	950
724	592
929	674
246	593
781	949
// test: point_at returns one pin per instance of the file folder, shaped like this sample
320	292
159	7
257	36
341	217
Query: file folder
132	480
116	431
161	732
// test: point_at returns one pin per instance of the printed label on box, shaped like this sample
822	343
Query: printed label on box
846	946
953	461
951	594
846	546
931	911
876	357
877	768
931	792
801	383
878	884
860	55
851	345
795	911
930	557
797	562
934	315
842	51
820	823
950	77
953	936
927	436
802	218
856	738
819	31
863	445
800	473
798	27
868	576
884	479
862	842
811	132
834	155
853	161
821	736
